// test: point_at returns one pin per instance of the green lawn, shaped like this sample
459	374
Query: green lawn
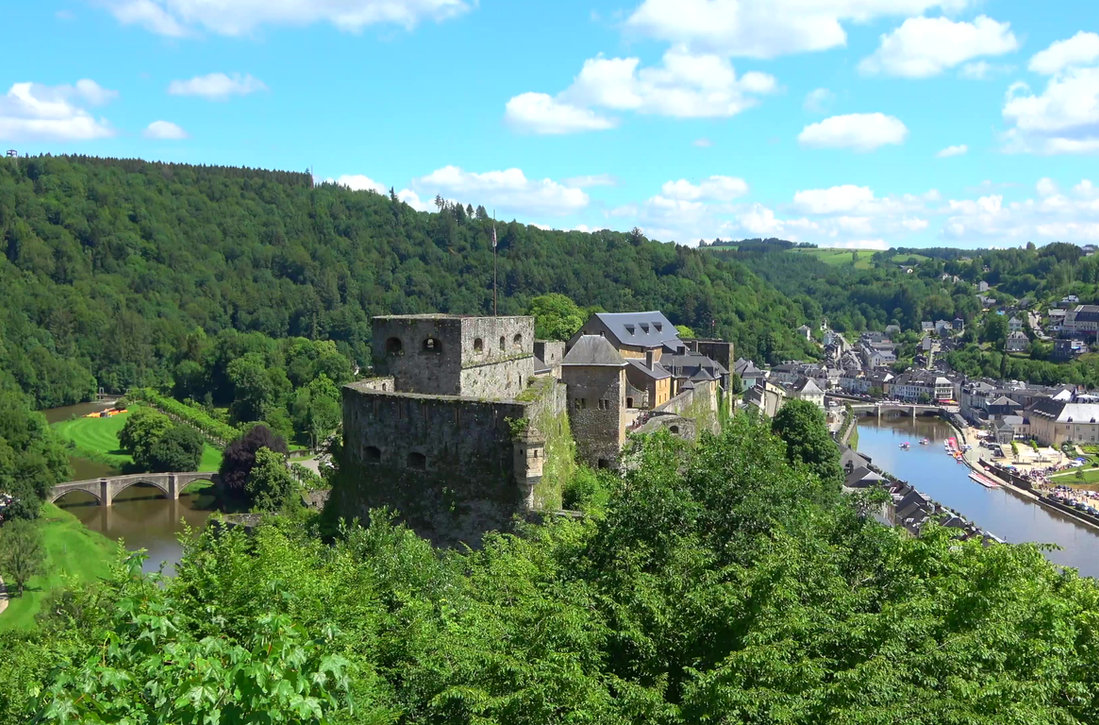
1091	475
74	554
859	258
97	439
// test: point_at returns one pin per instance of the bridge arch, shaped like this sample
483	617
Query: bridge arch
123	483
56	495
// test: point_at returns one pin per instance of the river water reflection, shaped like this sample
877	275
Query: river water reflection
141	517
997	511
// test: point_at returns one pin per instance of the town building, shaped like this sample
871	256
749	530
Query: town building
1017	342
1057	421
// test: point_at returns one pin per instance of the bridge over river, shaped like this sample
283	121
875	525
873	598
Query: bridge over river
865	407
105	489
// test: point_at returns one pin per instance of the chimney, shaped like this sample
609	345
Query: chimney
649	359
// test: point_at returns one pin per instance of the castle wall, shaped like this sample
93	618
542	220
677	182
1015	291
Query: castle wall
454	467
431	354
505	379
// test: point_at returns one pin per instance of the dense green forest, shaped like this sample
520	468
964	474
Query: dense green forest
721	583
110	267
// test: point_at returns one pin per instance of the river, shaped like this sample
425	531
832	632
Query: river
141	517
998	511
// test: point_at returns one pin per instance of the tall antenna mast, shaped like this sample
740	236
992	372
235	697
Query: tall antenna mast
494	263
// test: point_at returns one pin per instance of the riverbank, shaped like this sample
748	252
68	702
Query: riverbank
96	439
74	555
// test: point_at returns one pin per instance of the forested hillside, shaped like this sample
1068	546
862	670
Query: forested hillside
111	266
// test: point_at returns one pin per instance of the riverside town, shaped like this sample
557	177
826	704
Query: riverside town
666	362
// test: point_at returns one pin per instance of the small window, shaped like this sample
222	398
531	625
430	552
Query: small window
674	429
393	346
517	341
503	343
659	326
432	345
629	402
417	461
630	329
478	345
372	454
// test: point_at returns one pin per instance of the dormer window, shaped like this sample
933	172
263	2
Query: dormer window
644	327
630	329
659	326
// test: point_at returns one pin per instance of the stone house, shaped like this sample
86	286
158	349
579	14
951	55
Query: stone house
1017	342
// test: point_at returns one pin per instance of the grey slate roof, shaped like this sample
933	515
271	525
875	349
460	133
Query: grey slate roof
656	372
594	350
641	329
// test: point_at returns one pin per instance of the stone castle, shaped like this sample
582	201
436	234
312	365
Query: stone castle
469	421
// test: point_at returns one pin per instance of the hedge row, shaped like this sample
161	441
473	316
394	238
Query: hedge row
218	432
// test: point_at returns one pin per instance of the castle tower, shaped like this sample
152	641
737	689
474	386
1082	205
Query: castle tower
595	376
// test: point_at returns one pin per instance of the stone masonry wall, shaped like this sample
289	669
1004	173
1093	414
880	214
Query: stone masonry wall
599	432
431	354
446	463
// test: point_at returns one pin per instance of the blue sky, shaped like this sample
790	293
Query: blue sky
860	123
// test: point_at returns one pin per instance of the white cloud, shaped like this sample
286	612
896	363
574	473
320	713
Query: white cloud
410	197
685	85
590	180
541	113
1080	49
924	47
1063	118
959	150
360	182
178	18
765	29
980	70
217	86
1046	187
857	131
702	143
714	188
31	111
818	100
845	198
874	244
508	190
164	130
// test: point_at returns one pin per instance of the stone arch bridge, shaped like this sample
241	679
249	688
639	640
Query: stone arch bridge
912	409
105	489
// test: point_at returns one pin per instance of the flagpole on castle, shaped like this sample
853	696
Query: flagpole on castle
494	263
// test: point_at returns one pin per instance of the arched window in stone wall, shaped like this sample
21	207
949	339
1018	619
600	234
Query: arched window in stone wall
417	461
372	454
393	346
503	342
432	345
478	345
517	341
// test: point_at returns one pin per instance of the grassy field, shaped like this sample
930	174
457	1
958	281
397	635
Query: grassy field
74	554
97	439
859	258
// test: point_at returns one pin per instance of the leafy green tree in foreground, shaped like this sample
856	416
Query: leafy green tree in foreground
21	552
270	485
143	428
802	425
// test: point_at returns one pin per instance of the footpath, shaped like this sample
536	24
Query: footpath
3	596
